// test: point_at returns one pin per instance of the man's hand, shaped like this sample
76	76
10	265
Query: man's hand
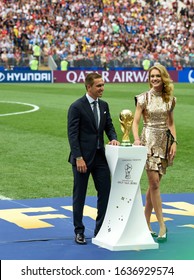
114	143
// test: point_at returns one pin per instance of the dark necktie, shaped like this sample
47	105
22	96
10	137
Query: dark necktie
95	112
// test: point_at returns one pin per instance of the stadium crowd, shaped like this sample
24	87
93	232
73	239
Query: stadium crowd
107	33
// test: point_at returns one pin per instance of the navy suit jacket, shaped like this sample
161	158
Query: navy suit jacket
83	134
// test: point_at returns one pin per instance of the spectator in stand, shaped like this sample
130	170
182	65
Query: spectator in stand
64	64
146	64
4	59
17	56
36	50
34	64
179	66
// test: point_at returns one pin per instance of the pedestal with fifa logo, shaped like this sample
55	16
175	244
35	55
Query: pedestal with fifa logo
124	226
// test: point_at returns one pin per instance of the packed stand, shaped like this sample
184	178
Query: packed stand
93	33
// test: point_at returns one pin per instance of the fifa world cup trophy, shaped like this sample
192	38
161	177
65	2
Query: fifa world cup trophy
126	120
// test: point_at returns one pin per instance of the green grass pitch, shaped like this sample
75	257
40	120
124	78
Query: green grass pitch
34	146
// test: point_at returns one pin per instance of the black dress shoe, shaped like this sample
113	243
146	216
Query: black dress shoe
80	239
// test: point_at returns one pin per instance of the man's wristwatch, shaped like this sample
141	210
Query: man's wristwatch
79	158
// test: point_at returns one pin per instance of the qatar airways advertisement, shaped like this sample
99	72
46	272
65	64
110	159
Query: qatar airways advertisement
108	76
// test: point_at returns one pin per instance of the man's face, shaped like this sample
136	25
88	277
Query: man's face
97	89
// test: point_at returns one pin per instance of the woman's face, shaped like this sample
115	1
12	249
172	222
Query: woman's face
156	80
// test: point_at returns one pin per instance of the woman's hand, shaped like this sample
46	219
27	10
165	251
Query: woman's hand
172	153
137	142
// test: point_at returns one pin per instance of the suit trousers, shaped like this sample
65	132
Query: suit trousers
101	176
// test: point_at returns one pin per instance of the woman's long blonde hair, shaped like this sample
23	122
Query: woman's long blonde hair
168	87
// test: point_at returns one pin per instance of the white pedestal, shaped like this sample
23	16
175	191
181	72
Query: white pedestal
124	226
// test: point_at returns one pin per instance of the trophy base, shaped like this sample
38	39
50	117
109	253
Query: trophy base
126	144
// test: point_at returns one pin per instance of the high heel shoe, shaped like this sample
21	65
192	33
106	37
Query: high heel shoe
153	233
162	238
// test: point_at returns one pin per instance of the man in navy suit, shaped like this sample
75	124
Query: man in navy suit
87	155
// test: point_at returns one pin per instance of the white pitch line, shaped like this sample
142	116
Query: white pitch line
35	108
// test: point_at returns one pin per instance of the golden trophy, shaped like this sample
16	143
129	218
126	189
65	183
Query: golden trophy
126	120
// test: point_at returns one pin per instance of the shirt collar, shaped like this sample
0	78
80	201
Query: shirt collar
90	99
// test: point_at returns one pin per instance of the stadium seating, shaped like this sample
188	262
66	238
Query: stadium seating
106	34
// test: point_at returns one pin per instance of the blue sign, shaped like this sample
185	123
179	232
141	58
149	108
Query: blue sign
186	76
26	77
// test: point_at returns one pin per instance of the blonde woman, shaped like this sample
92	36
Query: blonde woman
156	107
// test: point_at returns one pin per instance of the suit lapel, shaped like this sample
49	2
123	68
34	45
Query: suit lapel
88	109
102	111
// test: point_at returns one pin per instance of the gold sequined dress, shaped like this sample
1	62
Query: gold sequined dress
153	136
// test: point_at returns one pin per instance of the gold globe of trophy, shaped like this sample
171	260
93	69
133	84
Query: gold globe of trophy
126	120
